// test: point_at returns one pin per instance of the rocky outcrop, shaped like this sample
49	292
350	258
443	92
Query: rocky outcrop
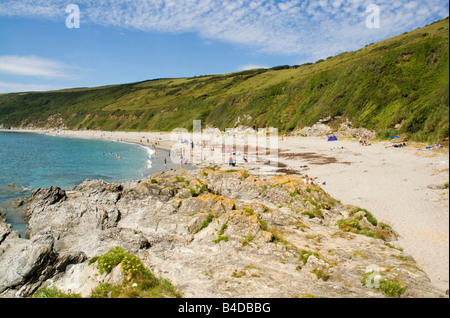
213	234
344	129
5	228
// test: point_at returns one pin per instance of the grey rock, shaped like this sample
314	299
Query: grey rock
238	235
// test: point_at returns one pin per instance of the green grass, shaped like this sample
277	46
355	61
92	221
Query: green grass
369	216
53	292
389	287
304	256
402	81
139	281
206	222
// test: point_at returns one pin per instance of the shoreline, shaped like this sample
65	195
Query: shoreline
401	187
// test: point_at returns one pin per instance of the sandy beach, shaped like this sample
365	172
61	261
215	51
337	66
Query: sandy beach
402	187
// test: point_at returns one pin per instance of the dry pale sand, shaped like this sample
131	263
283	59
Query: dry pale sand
396	185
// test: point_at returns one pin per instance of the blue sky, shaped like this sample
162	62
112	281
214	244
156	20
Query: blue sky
122	41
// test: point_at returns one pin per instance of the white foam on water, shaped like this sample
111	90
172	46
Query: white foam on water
150	153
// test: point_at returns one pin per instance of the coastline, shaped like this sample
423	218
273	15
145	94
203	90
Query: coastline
399	186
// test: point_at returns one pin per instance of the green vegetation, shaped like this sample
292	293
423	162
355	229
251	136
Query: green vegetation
206	222
381	231
321	274
221	237
369	216
389	287
181	179
53	292
248	211
247	240
304	256
262	224
139	281
400	85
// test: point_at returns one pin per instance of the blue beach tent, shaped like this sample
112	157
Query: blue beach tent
332	138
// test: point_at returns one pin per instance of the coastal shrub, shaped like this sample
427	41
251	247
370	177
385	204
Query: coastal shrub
349	225
382	232
53	292
369	216
106	262
139	282
304	256
386	133
309	214
391	288
313	214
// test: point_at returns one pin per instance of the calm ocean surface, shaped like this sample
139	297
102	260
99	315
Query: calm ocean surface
31	161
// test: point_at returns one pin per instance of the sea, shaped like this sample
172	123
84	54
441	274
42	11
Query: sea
31	161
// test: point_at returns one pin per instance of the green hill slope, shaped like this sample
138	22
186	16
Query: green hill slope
402	81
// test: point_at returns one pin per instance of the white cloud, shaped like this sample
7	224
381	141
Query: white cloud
250	67
33	66
6	87
281	27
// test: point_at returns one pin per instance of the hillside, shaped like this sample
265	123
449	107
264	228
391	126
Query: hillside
401	82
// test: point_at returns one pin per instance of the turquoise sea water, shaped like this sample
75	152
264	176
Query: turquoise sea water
31	161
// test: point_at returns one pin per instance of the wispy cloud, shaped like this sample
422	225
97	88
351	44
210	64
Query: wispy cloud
33	66
250	67
308	27
8	87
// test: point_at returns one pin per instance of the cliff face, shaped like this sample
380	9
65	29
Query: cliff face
213	234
